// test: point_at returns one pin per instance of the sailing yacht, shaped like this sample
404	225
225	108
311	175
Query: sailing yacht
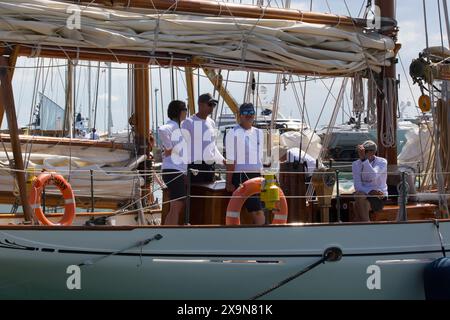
313	254
345	137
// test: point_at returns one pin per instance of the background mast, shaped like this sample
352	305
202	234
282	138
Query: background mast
387	75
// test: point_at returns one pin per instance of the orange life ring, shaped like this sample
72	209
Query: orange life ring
248	189
36	193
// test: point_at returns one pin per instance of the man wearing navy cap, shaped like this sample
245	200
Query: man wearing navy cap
244	150
201	135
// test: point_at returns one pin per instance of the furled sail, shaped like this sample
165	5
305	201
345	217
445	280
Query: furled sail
243	42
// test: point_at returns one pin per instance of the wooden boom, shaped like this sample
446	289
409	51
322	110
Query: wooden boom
215	8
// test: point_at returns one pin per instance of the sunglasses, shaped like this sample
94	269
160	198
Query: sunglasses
247	113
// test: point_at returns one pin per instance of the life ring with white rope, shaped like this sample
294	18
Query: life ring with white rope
58	180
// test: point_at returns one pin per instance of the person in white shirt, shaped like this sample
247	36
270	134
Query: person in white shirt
94	135
244	151
293	155
200	133
173	166
369	179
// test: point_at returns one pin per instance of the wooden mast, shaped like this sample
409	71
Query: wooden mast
141	120
141	107
7	100
190	89
387	10
10	72
68	111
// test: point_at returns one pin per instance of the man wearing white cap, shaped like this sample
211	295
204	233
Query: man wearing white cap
369	178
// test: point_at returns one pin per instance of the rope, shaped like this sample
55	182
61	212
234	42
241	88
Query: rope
357	91
141	244
321	112
440	178
327	139
389	137
303	92
330	255
122	209
387	117
223	100
96	97
220	171
422	153
441	240
371	101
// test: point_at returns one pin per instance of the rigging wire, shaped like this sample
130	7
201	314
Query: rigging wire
330	93
223	100
447	20
425	24
257	100
58	66
328	5
369	4
172	84
96	97
303	92
388	139
161	96
440	25
422	153
20	95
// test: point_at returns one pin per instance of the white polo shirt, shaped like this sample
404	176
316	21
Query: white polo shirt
293	155
200	135
171	141
245	148
370	175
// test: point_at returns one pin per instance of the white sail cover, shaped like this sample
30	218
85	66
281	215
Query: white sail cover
262	43
114	173
51	115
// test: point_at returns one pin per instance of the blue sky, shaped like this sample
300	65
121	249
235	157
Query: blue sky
411	36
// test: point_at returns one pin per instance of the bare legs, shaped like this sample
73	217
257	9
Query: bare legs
362	207
173	217
258	217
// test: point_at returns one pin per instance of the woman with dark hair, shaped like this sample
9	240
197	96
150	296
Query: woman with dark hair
174	166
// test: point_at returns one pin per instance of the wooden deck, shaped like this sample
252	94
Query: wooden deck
415	211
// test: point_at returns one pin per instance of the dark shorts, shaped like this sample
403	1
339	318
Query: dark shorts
174	181
253	203
202	176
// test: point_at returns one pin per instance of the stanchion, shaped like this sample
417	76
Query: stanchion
338	197
92	190
187	211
